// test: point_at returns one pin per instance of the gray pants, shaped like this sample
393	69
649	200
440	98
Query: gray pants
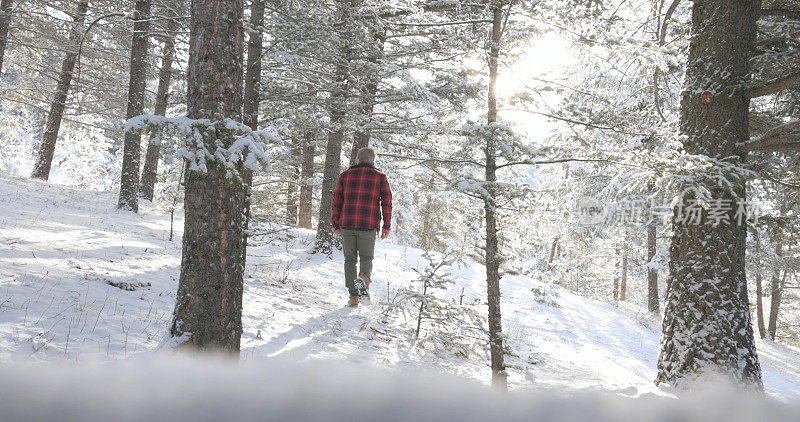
357	245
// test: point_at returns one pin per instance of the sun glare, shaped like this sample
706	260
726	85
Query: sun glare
545	58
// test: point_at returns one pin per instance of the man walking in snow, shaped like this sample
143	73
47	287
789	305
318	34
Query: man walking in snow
361	196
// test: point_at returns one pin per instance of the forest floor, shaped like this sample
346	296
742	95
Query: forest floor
83	282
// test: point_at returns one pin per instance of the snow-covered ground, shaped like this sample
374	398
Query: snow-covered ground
83	282
277	390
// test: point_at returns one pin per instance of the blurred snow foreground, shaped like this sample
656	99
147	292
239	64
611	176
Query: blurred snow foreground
180	389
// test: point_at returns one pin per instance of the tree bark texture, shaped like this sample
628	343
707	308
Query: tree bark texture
706	327
44	160
208	312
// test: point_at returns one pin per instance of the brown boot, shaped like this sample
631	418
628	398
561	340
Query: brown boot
366	279
353	301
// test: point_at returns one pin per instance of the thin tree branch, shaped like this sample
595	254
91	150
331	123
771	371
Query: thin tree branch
773	145
782	183
467	22
780	138
792	126
512	163
784	12
434	160
772	41
667	16
576	122
566	160
774	86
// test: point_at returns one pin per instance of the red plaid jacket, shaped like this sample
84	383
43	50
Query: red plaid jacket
361	196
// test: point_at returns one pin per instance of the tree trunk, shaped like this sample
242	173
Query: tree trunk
623	285
776	289
306	182
330	173
616	273
255	44
253	75
337	105
426	235
132	150
208	310
362	135
499	375
706	328
426	225
360	140
44	161
150	171
293	177
759	293
421	308
6	7
652	273
552	253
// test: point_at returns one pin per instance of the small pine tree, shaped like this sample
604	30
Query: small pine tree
445	324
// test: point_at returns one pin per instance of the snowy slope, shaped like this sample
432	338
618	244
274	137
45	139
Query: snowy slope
81	281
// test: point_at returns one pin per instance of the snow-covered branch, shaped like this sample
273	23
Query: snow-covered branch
247	146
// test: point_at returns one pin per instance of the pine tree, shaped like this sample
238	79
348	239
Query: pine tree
447	325
337	105
208	310
47	147
706	328
165	76
305	201
137	82
6	8
492	261
776	282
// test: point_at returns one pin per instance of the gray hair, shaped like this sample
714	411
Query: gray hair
365	155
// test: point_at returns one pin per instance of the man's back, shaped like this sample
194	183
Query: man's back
361	197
